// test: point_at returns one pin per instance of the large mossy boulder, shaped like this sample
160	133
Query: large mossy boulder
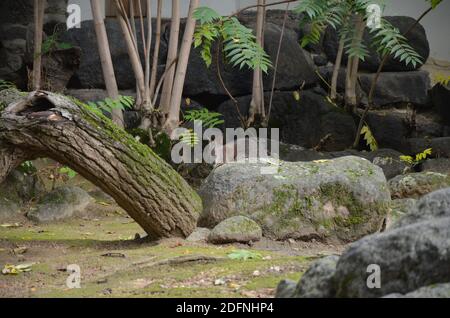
415	185
59	204
412	257
344	198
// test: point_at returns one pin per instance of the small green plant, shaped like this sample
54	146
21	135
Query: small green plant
27	167
208	119
418	158
239	42
4	85
108	104
51	43
369	138
68	172
442	79
244	255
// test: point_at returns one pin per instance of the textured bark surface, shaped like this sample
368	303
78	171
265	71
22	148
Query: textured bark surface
51	125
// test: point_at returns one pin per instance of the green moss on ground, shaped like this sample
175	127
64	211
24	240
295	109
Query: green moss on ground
143	272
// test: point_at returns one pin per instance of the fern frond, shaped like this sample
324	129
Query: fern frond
389	40
207	118
369	138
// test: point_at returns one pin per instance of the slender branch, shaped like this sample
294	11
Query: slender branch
219	75
286	13
161	80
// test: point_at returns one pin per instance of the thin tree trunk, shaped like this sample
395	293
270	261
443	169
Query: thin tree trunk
106	61
156	50
39	13
130	42
353	65
147	98
256	111
133	27
175	101
144	185
172	54
337	67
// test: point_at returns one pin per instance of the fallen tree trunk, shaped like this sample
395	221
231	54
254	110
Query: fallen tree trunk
54	126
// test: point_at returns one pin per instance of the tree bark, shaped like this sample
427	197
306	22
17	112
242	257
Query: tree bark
106	60
173	118
171	57
39	12
352	67
51	125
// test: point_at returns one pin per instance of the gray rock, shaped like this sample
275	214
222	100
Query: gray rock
409	257
235	229
389	161
439	165
414	185
400	208
431	206
60	204
433	291
286	289
344	198
200	234
8	209
318	280
20	187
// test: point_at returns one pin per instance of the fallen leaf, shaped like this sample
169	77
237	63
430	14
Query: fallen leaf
16	269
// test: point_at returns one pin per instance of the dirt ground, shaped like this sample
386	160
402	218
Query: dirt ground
116	260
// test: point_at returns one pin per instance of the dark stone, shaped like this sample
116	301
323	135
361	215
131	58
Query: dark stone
201	80
416	38
305	123
59	67
320	60
440	165
389	128
440	96
440	146
398	87
90	73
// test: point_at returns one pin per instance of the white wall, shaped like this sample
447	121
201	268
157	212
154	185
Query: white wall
437	23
